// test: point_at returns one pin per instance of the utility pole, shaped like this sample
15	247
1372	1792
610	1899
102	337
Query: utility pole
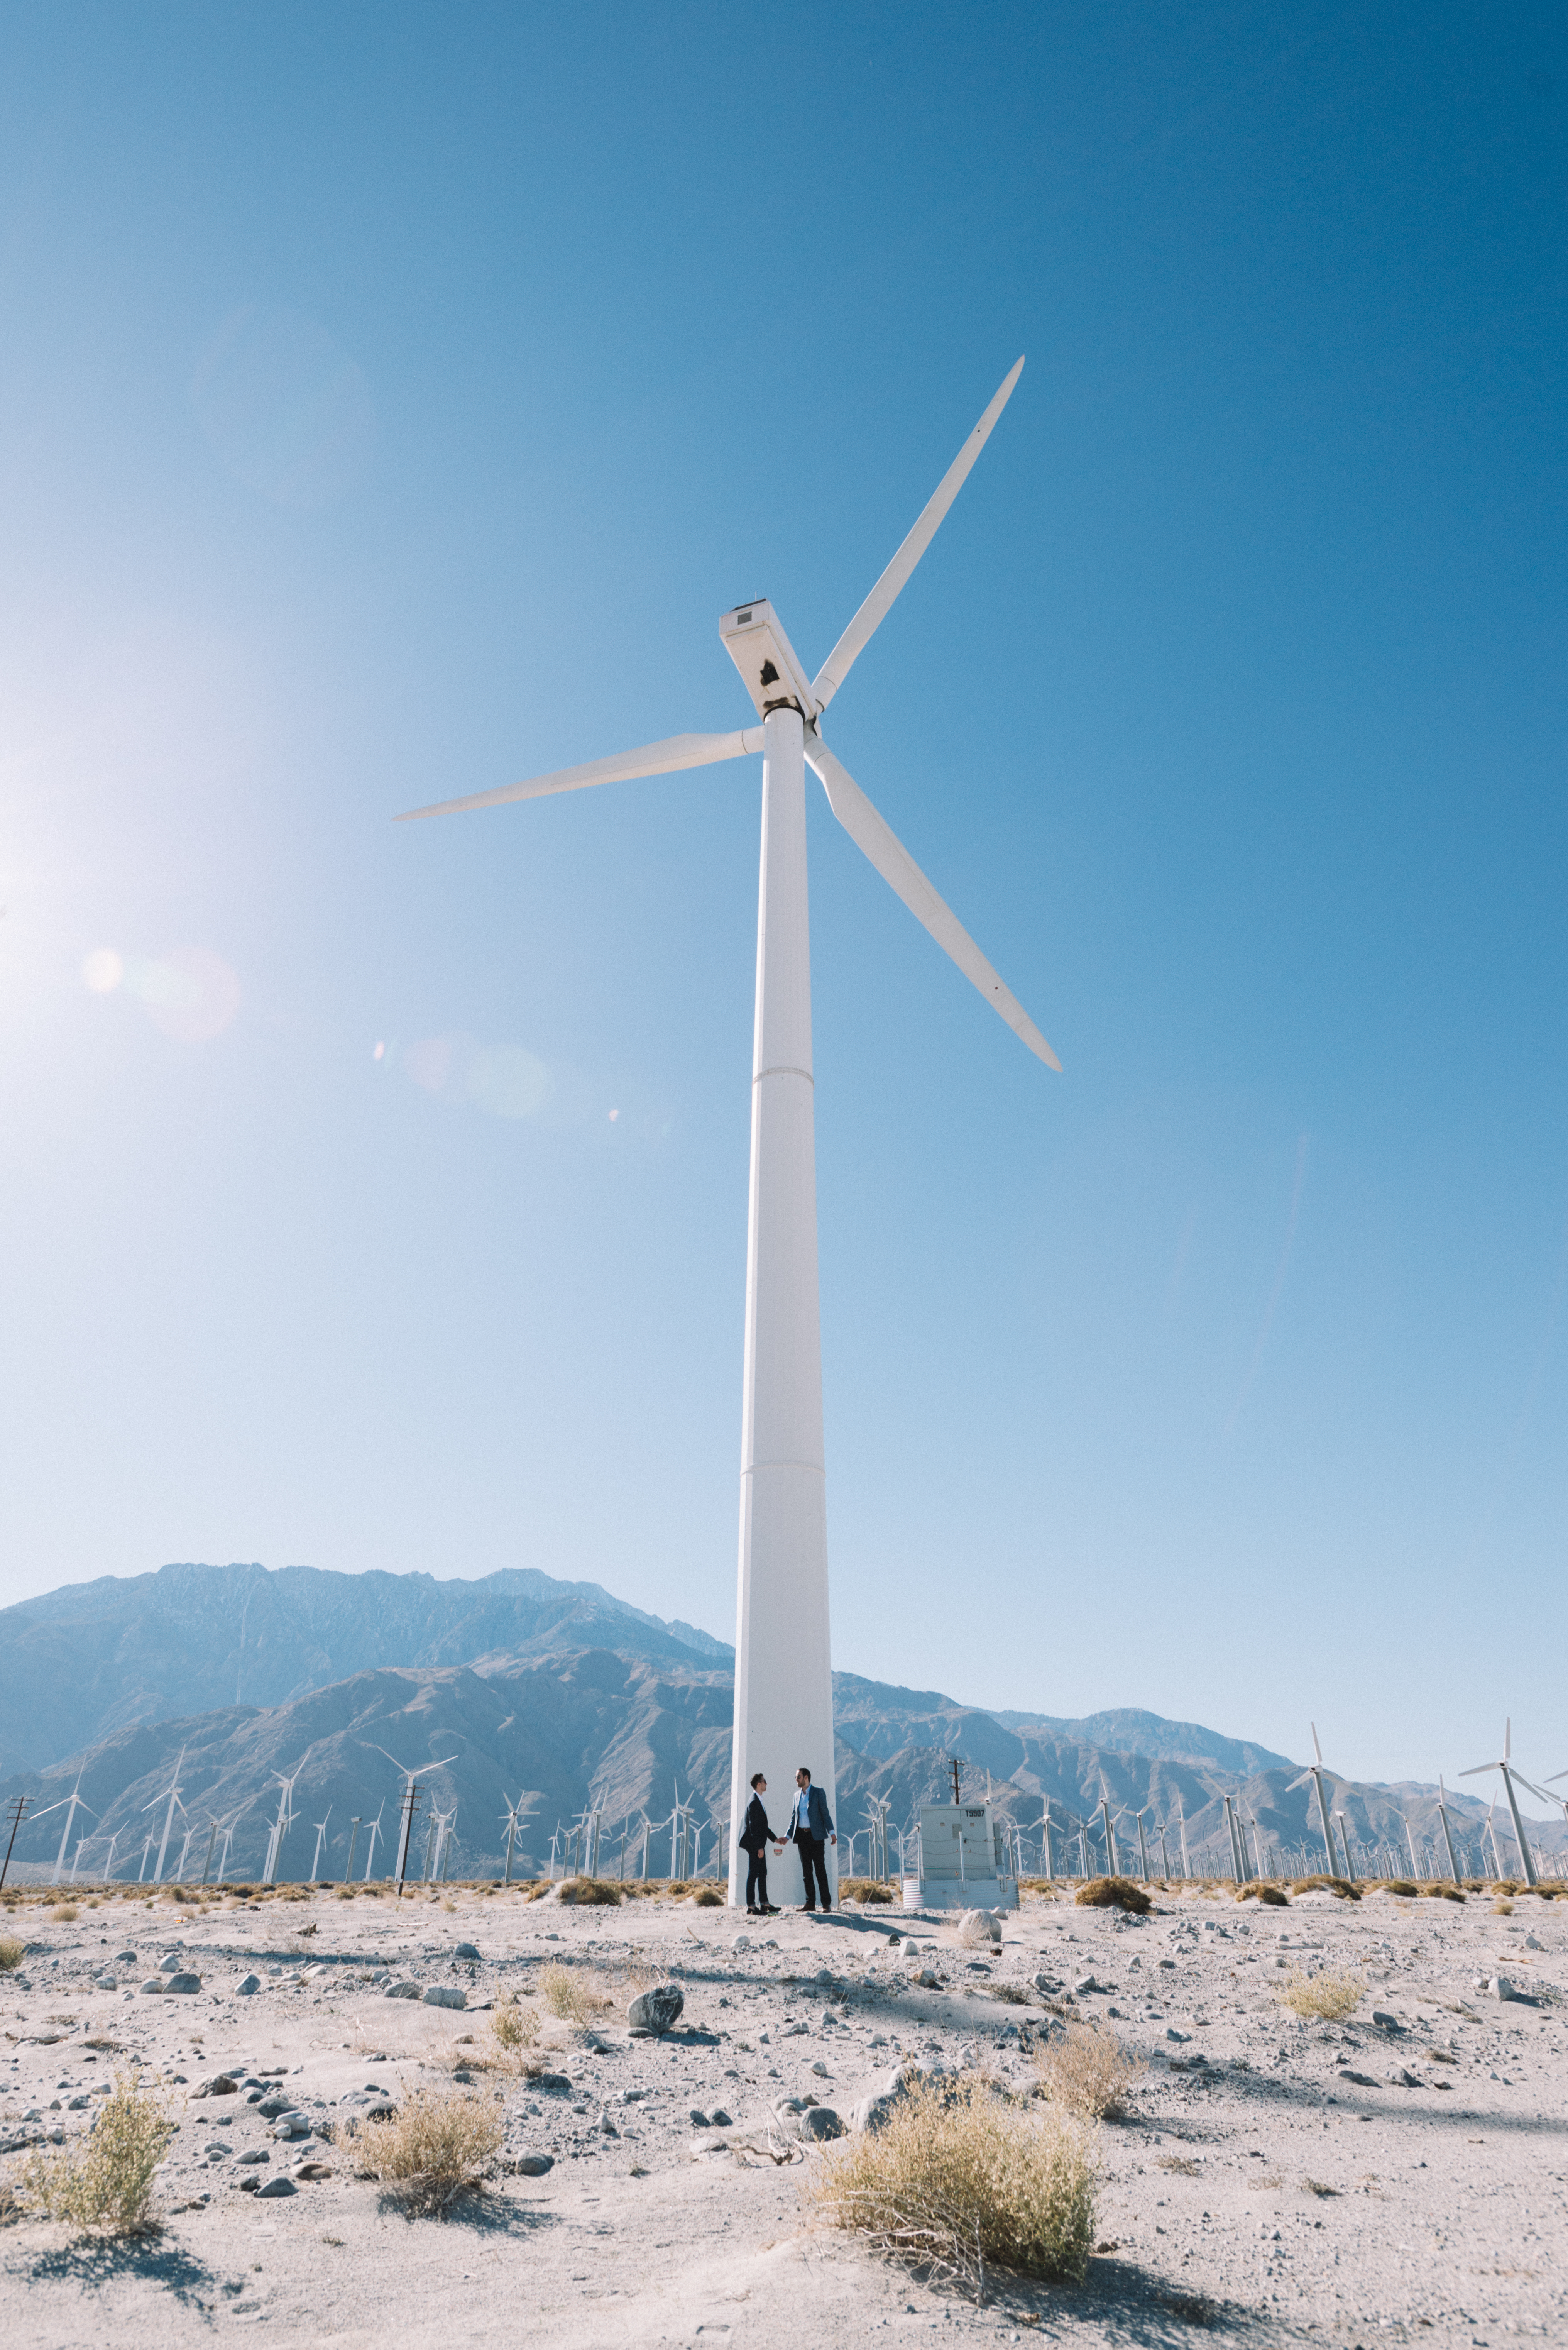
410	1796
954	1767
18	1805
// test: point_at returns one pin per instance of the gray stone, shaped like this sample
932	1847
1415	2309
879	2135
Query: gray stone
979	1929
246	1985
1172	2033
466	1950
446	1995
720	2118
1385	2021
171	1965
926	1981
529	2165
1086	1984
657	2011
276	2102
124	1959
1500	1987
217	2084
401	1991
699	2120
1049	1985
255	2154
154	1986
105	1982
276	2187
182	1982
291	2126
1359	2080
821	2122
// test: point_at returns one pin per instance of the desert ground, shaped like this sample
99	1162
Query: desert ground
1397	2178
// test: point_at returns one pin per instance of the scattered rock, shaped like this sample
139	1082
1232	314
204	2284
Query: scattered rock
217	2084
446	1995
1180	2037
276	2187
273	2103
1086	1984
528	2166
401	1991
1359	2080
154	1986
721	2119
979	1928
742	1943
182	1982
699	2120
1403	2080
105	1982
1500	1987
657	2011
311	2169
821	2123
255	2154
1385	2021
466	1950
246	1985
171	1965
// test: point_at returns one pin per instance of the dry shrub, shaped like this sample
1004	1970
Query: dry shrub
708	1897
1319	2187
1182	2164
67	1913
590	1892
960	2183
865	1888
568	1996
515	2027
1340	1884
106	2181
1502	1909
1442	1893
1270	1894
1402	1887
1113	1893
435	2149
12	1953
1088	2071
1328	1997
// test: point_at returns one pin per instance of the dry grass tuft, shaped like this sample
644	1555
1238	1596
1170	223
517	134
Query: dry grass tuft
1088	2071
1271	1895
12	1953
435	2149
67	1913
869	1889
1403	1888
515	2027
107	2180
1319	2187
1442	1893
959	2184
1502	1909
1340	1884
1182	2164
1113	1893
569	1995
1328	1997
708	1897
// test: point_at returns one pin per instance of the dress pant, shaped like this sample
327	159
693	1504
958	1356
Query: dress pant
757	1880
811	1859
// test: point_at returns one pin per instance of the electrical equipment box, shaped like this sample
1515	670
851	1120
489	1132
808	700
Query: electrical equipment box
966	1862
766	659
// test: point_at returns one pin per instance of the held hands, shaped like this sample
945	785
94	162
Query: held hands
833	1839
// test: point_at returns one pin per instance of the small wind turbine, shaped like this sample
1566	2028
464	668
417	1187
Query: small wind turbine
1109	1831
1142	1845
1314	1771
1505	1766
284	1822
408	1799
1181	1824
70	1805
374	1831
784	1695
510	1816
168	1817
1045	1851
184	1853
320	1827
109	1859
1489	1836
355	1825
1343	1818
142	1873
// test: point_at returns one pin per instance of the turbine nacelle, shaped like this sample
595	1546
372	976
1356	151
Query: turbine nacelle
770	669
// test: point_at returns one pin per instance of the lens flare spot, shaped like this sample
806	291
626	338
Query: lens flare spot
380	1053
501	1078
191	994
613	1116
103	971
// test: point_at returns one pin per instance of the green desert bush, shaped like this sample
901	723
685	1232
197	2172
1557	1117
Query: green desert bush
1328	1997
435	2149
1113	1893
961	2183
1089	2071
106	2180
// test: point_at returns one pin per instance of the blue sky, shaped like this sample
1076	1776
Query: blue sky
393	400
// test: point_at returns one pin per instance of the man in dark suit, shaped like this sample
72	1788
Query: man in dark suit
755	1837
810	1826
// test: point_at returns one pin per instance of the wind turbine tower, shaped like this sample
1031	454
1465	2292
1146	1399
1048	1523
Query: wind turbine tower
1314	1771
1505	1765
784	1688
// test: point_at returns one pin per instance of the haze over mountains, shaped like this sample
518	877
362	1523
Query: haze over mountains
555	1693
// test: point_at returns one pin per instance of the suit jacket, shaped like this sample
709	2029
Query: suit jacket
756	1832
818	1822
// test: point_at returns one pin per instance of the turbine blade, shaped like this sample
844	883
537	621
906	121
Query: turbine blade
1478	1769
665	758
1316	1749
880	602
904	877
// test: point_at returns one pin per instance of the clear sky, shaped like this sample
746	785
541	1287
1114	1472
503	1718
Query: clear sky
393	398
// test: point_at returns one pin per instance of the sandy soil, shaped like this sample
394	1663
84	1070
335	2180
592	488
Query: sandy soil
1262	2195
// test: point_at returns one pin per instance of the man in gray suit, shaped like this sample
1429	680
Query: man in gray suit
810	1826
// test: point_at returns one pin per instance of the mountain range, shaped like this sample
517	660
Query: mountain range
546	1695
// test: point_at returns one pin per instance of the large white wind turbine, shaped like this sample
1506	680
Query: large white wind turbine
783	1690
1505	1765
168	1817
